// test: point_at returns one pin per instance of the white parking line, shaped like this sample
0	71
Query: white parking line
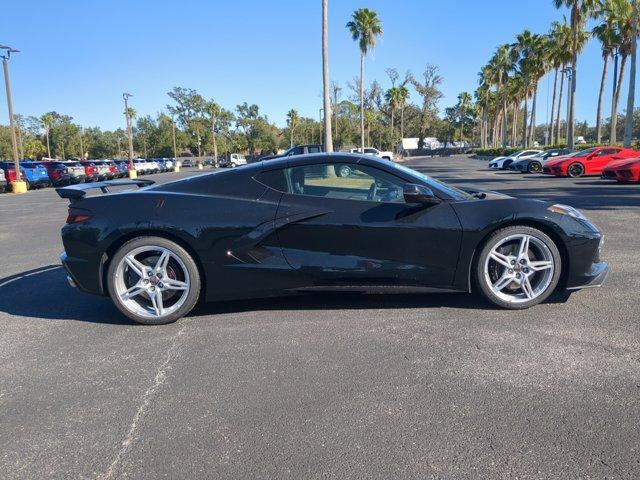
28	275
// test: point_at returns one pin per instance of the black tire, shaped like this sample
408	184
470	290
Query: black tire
478	273
575	170
194	275
28	184
534	167
343	170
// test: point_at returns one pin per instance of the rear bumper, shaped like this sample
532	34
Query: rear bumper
81	274
594	278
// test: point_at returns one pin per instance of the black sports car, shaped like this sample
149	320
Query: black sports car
293	224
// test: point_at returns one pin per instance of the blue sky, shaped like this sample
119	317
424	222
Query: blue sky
77	57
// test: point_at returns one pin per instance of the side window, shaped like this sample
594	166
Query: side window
370	150
314	149
345	181
274	179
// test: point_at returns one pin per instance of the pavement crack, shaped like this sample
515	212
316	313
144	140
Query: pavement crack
145	401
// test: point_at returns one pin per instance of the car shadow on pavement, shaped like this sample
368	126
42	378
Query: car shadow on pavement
346	301
45	294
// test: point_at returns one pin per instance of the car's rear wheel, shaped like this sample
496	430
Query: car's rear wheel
535	167
153	280
575	170
518	267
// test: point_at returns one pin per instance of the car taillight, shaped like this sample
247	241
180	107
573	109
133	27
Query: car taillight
74	217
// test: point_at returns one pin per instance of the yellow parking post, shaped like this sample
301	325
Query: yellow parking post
19	187
133	174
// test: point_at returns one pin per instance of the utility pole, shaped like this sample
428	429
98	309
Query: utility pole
328	138
176	167
132	170
81	144
18	185
628	124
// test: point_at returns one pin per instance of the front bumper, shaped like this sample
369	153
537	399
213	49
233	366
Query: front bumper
594	278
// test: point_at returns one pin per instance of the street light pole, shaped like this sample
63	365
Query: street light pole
132	170
18	185
176	167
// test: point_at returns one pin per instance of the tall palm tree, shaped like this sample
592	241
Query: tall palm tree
364	27
292	123
328	138
47	121
580	10
500	66
621	13
529	48
609	38
392	96
464	102
628	124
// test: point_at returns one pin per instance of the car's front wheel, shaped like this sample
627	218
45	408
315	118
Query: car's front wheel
518	267
153	280
575	170
535	167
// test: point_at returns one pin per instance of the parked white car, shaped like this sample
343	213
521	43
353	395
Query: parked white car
374	151
237	159
502	163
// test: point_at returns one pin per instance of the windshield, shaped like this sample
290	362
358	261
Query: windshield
453	192
585	153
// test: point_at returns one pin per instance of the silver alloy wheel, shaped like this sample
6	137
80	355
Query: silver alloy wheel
519	268
345	170
152	282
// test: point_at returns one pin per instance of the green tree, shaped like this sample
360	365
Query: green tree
364	27
430	93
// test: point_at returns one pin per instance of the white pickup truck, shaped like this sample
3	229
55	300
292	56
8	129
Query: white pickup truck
374	151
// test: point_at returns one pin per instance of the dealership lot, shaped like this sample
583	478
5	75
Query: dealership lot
337	385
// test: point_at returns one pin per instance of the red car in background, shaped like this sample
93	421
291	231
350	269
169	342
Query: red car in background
591	161
90	170
58	172
623	171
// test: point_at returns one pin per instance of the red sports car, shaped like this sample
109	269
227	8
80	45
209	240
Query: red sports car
623	171
591	161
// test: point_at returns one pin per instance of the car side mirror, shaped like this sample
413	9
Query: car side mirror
414	193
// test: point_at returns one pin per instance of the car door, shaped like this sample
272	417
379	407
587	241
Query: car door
596	163
358	229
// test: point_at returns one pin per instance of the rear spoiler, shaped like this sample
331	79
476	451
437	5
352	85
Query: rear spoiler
76	192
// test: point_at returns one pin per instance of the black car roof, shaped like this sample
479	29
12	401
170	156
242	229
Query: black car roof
308	158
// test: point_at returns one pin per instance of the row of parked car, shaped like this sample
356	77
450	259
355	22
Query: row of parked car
609	162
58	172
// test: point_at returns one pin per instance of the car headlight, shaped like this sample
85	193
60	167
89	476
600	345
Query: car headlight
572	212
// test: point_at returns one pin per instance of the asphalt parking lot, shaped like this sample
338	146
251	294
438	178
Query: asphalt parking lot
325	385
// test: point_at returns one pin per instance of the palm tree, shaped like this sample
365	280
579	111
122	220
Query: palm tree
580	10
364	27
328	138
464	102
530	48
500	66
621	14
292	123
628	124
47	121
403	96
609	38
